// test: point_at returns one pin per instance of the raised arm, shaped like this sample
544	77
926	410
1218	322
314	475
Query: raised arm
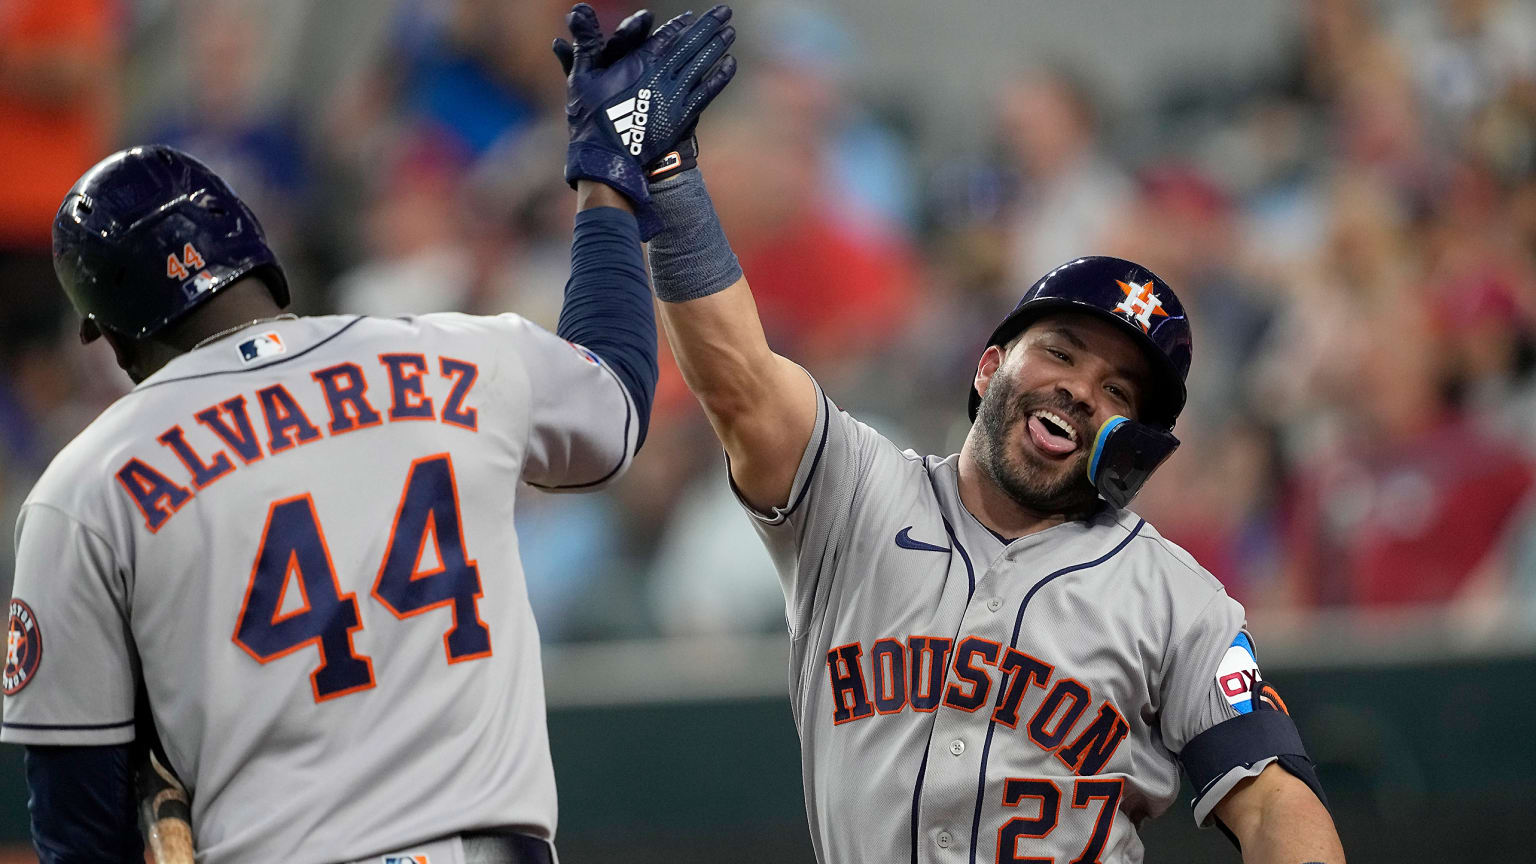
628	100
762	406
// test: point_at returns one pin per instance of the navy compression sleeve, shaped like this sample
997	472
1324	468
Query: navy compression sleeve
608	303
82	803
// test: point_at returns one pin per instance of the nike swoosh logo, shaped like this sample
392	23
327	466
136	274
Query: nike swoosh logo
905	541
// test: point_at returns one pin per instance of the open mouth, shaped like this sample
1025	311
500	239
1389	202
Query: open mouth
1052	433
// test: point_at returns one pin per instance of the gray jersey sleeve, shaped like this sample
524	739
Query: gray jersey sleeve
805	535
1210	672
70	671
1191	704
582	425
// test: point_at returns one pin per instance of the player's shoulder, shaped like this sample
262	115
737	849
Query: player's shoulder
873	431
463	323
1168	560
429	325
80	475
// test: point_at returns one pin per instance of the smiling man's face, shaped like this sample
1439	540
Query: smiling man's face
1045	396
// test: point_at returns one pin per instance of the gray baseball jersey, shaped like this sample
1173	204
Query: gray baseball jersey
961	698
300	539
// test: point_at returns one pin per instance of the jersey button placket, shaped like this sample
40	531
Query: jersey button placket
994	604
944	839
957	747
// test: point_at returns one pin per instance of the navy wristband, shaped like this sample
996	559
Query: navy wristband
690	257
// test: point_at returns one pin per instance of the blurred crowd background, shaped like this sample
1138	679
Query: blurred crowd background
1344	198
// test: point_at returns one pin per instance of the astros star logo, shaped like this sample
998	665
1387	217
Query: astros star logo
1140	304
23	648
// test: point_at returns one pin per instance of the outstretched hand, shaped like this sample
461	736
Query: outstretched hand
630	99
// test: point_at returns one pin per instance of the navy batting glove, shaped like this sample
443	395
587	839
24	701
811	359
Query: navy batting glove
629	101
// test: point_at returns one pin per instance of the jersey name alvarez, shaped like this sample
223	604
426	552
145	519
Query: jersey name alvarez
246	427
910	675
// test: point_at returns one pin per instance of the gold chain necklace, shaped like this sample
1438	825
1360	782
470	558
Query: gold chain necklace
289	316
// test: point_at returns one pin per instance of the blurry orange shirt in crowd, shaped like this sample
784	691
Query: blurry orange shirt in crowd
57	59
1409	525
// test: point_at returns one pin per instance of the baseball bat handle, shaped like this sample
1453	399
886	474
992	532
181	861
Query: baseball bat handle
165	813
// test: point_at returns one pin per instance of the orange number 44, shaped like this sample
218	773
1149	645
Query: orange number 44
182	268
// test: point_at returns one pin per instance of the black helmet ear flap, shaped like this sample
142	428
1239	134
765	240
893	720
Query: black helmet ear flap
1124	455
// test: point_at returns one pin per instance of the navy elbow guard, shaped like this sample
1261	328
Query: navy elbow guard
1266	732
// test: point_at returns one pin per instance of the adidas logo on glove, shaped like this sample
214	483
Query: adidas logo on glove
629	119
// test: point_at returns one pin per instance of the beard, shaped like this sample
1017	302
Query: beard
1033	482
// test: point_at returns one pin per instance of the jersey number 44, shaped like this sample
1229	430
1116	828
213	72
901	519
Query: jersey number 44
293	551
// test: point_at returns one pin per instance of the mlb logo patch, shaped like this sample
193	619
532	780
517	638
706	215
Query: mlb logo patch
268	344
406	859
203	282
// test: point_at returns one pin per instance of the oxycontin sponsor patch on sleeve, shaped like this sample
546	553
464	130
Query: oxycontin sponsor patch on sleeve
1237	673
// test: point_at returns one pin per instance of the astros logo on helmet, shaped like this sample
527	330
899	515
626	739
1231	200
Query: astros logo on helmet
1140	304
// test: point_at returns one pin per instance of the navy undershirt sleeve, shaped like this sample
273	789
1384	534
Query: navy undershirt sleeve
82	804
608	303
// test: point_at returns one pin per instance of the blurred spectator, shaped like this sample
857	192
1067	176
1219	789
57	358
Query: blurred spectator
416	255
1049	126
59	69
58	81
1354	235
573	560
225	122
802	81
829	295
1467	53
475	72
711	573
1218	496
58	74
1413	502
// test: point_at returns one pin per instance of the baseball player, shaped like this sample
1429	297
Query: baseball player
992	660
291	546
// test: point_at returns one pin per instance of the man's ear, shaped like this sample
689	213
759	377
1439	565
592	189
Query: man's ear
991	361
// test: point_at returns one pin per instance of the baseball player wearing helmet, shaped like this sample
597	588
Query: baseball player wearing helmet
290	547
992	660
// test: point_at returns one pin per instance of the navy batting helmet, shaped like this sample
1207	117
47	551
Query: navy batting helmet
149	234
1124	452
1134	300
